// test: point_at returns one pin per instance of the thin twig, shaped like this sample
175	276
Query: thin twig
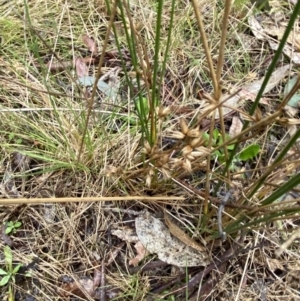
205	45
92	99
87	199
218	75
103	283
222	43
220	211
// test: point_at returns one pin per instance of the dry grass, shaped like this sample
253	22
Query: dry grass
43	116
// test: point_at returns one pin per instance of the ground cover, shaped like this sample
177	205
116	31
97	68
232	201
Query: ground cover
184	156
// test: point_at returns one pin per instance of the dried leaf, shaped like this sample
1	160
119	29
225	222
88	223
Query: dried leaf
267	29
49	213
287	50
82	287
256	28
250	91
129	235
181	235
77	288
236	126
141	254
156	238
114	253
81	68
18	163
57	66
90	43
5	238
275	264
97	278
126	234
295	99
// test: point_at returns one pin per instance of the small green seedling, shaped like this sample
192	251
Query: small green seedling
217	140
8	275
246	154
11	227
12	138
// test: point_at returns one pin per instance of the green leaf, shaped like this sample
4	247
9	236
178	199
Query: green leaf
18	224
11	136
5	280
8	255
142	106
216	135
2	272
218	154
230	147
8	230
16	268
249	152
206	138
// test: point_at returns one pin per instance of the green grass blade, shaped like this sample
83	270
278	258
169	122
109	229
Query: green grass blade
270	70
261	180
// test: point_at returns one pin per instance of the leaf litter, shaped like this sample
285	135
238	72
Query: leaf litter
265	28
249	92
153	237
88	82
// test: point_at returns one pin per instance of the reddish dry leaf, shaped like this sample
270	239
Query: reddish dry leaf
81	68
88	60
236	126
97	278
141	254
90	43
83	287
77	288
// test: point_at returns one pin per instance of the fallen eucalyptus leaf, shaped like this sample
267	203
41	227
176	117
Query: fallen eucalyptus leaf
295	99
102	86
156	238
91	44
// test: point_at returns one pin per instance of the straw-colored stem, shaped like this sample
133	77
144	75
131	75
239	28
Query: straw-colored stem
91	102
205	46
87	199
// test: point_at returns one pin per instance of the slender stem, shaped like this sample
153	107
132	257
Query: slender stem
92	100
218	74
87	199
205	46
222	43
